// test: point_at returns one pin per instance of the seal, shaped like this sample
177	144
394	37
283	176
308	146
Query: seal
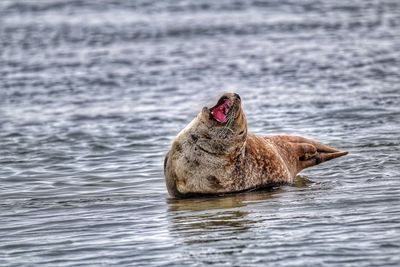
215	154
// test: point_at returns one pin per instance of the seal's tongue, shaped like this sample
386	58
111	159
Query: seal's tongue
220	112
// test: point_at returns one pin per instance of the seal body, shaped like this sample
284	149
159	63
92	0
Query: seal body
214	154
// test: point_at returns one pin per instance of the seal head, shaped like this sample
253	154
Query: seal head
226	119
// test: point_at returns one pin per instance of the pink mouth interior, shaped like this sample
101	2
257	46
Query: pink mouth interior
220	112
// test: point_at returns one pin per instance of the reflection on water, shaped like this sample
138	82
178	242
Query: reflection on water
225	213
211	228
216	222
211	223
221	202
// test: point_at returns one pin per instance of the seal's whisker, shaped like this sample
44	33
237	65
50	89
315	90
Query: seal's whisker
227	127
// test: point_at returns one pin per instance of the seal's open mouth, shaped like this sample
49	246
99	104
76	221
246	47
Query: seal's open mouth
221	110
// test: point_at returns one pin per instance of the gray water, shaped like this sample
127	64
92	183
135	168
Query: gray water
93	92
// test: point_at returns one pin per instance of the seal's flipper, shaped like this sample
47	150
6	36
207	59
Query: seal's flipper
306	152
318	158
298	139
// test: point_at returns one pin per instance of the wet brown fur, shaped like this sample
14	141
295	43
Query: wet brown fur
208	158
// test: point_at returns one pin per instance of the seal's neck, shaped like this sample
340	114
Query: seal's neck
214	138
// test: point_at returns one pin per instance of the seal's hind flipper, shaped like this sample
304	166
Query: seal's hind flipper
306	152
318	158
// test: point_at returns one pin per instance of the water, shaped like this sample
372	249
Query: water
93	92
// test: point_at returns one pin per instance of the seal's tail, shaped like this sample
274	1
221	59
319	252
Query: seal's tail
308	152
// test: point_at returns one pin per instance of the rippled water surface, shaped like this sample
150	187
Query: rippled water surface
93	92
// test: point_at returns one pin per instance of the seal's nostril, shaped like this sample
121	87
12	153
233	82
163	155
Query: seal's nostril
237	96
